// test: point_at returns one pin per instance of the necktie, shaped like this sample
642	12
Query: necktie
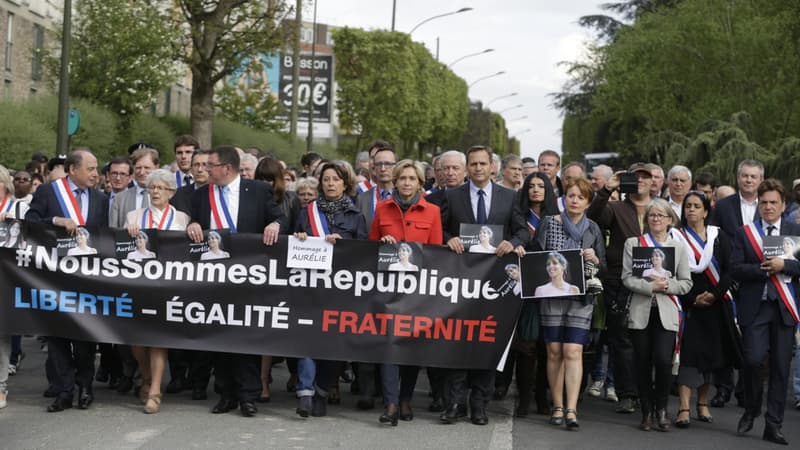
771	230
79	198
384	195
187	180
481	215
145	199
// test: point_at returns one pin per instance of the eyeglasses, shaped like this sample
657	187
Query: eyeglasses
158	189
22	180
384	164
657	216
216	165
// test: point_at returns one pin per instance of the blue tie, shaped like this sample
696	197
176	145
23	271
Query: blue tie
384	195
481	216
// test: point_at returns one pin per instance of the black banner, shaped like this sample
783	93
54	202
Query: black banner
456	311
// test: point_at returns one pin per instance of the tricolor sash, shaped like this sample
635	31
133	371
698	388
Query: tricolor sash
7	205
376	197
533	222
319	225
647	240
364	186
67	201
178	179
696	245
219	209
562	203
166	217
754	233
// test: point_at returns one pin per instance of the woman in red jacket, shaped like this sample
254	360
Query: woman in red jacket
405	217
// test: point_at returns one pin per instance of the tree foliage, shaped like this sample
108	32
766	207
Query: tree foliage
392	88
122	55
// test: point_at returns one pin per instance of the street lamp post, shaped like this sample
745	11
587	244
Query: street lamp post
501	97
487	76
62	136
509	109
488	50
433	17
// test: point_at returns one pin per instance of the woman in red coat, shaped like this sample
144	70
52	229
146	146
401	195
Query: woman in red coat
406	217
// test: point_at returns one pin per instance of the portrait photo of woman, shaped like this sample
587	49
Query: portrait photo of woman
404	253
14	237
484	244
657	270
215	250
557	270
141	252
81	244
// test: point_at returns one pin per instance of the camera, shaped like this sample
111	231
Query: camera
628	183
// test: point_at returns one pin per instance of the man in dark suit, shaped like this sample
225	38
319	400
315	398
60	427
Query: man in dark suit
730	214
766	309
478	202
73	361
252	209
453	166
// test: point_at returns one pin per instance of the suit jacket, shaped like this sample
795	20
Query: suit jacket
124	203
257	208
457	209
727	215
45	206
364	204
182	200
437	198
746	269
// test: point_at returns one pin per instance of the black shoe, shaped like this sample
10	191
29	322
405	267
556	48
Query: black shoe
626	406
125	384
662	420
720	399
390	415
365	404
647	422
60	404
572	423
452	414
701	417
479	417
319	406
500	392
745	424
50	392
684	423
176	385
304	406
224	405
85	398
557	420
102	375
406	413
437	405
199	394
773	434
248	409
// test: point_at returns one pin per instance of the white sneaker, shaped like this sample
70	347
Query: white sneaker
3	402
611	395
595	389
12	369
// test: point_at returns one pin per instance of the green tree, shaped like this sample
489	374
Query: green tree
220	36
122	56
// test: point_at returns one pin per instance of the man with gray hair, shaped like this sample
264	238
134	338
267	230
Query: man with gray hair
362	161
511	171
679	181
247	166
600	175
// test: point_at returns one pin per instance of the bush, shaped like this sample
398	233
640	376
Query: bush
149	129
21	134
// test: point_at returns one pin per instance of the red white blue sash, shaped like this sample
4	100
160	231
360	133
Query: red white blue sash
376	197
178	179
364	186
697	245
562	203
166	217
533	222
754	233
647	240
67	201
319	225
7	204
219	209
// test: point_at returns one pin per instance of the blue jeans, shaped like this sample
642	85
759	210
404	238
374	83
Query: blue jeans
315	376
599	371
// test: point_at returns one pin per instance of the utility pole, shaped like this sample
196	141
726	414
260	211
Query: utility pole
311	83
295	68
62	138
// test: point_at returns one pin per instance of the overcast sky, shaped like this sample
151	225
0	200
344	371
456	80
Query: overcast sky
530	38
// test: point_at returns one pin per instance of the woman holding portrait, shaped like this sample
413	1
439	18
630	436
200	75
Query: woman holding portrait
566	320
405	217
160	215
655	314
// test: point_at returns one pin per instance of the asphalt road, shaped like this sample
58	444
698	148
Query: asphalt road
116	422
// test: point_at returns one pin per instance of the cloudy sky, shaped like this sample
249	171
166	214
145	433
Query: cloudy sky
529	38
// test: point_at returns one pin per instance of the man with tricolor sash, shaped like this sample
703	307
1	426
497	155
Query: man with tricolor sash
766	310
71	202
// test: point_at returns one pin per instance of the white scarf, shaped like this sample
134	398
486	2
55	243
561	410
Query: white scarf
708	251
